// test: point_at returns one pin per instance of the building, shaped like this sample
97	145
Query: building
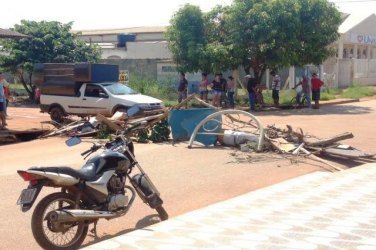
140	50
144	51
355	60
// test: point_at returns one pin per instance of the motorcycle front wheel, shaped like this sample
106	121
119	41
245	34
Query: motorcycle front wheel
55	236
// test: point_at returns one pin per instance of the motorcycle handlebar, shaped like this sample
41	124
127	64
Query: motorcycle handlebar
86	152
94	148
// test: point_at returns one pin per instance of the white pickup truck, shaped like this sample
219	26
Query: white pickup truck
92	98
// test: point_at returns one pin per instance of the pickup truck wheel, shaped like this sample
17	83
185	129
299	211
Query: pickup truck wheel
57	114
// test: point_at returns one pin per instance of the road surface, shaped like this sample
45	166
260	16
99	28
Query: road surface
188	179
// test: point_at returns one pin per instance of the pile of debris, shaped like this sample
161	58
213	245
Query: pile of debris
91	126
210	125
296	142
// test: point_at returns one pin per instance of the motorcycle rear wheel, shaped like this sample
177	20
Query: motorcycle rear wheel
43	230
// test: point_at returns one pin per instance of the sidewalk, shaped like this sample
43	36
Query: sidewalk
316	211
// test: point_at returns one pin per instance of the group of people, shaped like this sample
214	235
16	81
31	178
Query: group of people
4	99
220	89
306	90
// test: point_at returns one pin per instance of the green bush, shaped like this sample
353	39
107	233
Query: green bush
357	91
165	90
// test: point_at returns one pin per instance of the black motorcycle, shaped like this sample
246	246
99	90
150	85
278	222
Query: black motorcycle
99	190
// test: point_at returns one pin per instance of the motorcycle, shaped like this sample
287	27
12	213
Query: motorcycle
98	190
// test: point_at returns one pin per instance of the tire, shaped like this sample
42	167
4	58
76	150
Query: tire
304	102
39	224
162	213
293	102
57	114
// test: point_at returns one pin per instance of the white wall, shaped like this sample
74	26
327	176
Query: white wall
148	50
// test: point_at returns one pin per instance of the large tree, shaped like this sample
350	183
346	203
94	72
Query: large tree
48	42
258	34
186	38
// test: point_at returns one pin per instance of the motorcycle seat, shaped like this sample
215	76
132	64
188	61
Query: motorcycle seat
87	172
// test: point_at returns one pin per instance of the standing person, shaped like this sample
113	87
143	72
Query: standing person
7	98
251	88
316	84
217	90
204	87
3	122
224	91
231	91
305	91
183	88
276	86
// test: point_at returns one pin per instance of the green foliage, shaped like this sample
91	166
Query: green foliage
164	90
158	133
142	136
358	91
104	134
186	38
254	34
49	42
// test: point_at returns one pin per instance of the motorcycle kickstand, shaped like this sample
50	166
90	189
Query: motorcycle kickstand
94	230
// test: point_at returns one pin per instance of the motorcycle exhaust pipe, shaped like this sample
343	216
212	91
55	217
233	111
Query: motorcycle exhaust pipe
78	215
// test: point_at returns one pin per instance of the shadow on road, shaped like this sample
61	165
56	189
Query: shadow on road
324	110
145	222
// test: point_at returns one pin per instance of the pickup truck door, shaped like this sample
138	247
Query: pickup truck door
95	100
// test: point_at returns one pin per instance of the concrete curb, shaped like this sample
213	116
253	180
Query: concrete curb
335	102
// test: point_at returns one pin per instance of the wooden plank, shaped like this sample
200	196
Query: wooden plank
282	145
110	124
331	140
352	153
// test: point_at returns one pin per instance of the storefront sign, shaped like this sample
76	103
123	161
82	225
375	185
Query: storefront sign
363	39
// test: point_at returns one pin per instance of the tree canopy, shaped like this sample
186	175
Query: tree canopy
186	38
48	42
255	34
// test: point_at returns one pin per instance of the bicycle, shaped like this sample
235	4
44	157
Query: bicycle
301	102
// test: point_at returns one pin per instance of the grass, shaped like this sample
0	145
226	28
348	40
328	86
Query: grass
358	91
16	86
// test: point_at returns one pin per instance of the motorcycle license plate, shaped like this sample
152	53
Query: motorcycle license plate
27	196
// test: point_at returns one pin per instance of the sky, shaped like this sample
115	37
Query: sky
107	14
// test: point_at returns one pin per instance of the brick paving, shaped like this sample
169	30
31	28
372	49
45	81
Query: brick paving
316	211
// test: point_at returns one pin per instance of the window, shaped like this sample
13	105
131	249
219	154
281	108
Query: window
94	91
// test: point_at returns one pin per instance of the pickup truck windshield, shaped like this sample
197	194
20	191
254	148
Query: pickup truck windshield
119	89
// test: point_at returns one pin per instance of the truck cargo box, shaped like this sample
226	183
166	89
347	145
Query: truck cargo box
61	88
90	72
44	72
66	78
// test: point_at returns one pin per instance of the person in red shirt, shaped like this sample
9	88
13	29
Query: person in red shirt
316	84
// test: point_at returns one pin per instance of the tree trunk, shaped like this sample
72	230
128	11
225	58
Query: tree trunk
27	86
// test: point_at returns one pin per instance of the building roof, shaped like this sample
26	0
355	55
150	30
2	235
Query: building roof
352	21
145	29
4	33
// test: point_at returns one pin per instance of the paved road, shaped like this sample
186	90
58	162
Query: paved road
187	179
320	210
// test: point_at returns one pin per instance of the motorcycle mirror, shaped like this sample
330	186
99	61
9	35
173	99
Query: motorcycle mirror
73	141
